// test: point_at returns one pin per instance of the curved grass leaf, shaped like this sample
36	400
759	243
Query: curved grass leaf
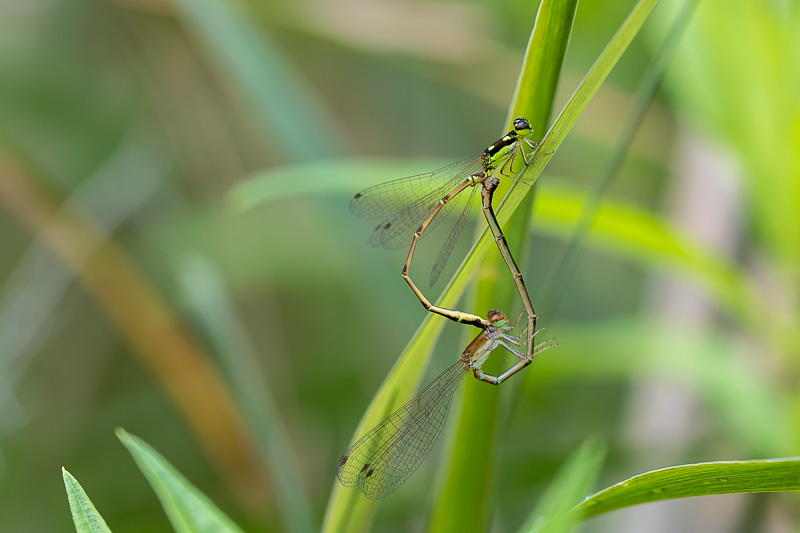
646	237
320	178
84	514
188	509
561	270
741	398
573	480
620	229
206	295
702	479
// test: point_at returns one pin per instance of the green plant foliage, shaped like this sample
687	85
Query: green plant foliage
321	178
233	133
703	479
189	510
348	510
285	105
737	77
209	301
84	513
571	483
649	239
480	416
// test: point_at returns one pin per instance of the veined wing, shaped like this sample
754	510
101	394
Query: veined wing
389	453
401	205
383	200
447	249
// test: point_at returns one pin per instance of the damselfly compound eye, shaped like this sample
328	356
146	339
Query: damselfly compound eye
521	125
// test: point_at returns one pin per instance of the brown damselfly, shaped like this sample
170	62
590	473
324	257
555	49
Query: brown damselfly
386	456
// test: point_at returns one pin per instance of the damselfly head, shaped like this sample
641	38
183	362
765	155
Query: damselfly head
497	318
522	126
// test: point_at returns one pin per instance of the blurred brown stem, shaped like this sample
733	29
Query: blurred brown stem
145	318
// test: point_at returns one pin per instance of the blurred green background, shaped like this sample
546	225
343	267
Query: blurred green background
126	125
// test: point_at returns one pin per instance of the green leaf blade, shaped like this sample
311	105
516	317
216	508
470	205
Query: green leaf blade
534	95
480	420
702	479
188	509
84	514
479	425
575	478
282	103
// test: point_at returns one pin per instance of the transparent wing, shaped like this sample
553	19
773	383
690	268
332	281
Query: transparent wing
401	205
397	232
383	200
455	233
389	453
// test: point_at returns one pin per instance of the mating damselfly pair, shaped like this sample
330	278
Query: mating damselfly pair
387	455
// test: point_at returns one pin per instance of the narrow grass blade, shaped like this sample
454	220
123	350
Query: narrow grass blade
462	472
285	106
535	93
749	412
84	514
645	237
322	178
208	298
703	479
188	509
569	487
31	293
651	79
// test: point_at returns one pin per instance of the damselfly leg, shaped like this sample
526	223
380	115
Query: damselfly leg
487	194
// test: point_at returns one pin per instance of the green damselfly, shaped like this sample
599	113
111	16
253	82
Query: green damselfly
421	202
